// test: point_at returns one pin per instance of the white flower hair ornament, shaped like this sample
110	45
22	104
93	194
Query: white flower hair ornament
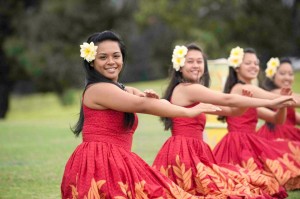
178	57
272	66
236	57
88	51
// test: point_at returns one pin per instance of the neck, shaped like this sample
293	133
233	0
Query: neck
244	80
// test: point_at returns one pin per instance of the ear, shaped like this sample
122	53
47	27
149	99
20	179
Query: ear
92	64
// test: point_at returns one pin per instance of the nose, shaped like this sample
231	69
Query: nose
110	60
195	65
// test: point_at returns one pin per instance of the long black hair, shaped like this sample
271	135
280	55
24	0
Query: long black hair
176	78
269	85
232	79
93	76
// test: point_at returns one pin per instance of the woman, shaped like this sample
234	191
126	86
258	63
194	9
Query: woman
280	74
185	158
241	146
103	166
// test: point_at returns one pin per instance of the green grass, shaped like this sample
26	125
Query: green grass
36	142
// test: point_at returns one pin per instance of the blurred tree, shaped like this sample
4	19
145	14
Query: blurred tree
271	27
46	44
9	10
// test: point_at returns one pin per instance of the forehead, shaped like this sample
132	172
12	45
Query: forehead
285	66
108	46
194	54
250	56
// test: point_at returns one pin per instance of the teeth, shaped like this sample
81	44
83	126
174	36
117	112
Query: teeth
111	69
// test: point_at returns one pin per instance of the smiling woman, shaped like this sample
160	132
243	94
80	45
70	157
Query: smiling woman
280	75
241	145
103	166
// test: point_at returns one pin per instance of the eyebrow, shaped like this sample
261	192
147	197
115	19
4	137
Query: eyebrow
106	53
194	58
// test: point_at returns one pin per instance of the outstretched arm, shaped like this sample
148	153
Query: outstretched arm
276	117
295	95
198	93
147	93
108	96
234	111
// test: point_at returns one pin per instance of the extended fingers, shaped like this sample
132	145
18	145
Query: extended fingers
151	93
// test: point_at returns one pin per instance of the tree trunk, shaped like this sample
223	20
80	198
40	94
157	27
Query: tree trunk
4	85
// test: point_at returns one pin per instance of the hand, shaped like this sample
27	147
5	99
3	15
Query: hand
247	93
204	108
151	94
286	91
283	101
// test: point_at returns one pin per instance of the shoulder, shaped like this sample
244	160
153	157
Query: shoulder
189	87
102	88
238	88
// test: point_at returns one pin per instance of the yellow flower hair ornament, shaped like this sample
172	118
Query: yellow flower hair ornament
178	57
88	51
272	66
236	57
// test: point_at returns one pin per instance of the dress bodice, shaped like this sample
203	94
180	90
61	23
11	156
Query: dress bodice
189	127
244	123
107	126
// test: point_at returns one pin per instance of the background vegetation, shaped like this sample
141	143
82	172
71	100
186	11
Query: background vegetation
39	39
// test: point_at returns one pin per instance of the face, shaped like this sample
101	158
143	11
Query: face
193	68
249	68
284	76
108	61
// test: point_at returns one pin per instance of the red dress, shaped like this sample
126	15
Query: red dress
188	161
288	130
241	146
103	166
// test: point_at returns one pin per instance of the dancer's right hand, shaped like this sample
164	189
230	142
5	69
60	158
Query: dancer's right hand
203	108
283	101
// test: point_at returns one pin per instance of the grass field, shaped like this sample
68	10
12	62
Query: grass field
35	143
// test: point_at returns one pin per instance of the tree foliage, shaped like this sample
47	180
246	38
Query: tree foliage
40	39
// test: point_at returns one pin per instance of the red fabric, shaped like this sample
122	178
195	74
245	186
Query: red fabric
188	161
288	130
243	147
103	166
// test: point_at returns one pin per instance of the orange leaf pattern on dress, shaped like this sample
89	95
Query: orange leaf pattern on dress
222	182
165	171
74	192
179	193
295	150
183	177
278	171
250	164
94	191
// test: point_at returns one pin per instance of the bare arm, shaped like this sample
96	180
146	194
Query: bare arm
297	118
276	117
108	96
295	95
147	93
230	111
199	93
256	91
